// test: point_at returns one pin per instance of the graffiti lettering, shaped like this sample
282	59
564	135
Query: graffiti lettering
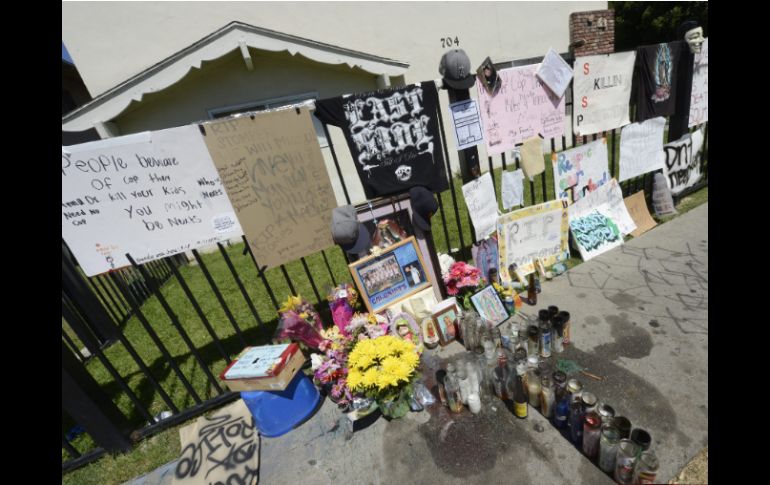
594	230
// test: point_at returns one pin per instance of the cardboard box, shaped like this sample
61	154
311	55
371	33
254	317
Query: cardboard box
278	382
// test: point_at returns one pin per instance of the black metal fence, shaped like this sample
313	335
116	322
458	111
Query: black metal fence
155	335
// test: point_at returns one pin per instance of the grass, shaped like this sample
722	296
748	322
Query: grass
164	447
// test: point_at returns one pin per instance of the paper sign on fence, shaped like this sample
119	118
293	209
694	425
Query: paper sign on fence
682	161
532	161
482	205
641	148
602	91
699	97
580	170
555	73
467	123
512	188
608	200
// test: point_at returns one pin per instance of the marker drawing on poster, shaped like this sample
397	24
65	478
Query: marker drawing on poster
467	123
699	97
594	234
682	161
602	91
150	195
555	73
480	198
580	170
512	188
641	148
607	200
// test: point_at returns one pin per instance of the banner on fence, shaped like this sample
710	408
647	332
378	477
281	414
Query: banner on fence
512	188
580	170
523	108
594	233
641	148
607	200
699	97
637	207
682	161
532	233
555	72
602	91
532	161
467	123
275	176
480	198
151	195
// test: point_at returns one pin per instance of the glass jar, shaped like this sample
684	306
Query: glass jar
608	447
468	330
520	355
561	413
560	385
553	310
576	423
591	431
497	337
646	468
473	377
453	396
533	388
557	335
533	340
641	438
474	403
441	383
462	382
588	399
544	343
606	412
523	342
626	461
574	390
547	398
565	318
623	425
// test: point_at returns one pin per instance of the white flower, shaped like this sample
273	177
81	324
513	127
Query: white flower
316	360
445	261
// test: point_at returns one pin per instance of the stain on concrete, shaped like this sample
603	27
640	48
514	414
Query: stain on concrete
312	462
654	323
581	295
625	301
682	439
630	341
592	320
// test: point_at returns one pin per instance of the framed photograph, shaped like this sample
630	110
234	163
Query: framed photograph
446	321
404	326
397	273
489	306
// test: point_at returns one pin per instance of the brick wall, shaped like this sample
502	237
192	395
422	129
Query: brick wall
596	28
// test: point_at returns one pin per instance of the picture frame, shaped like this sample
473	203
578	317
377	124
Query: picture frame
405	327
489	306
446	322
391	276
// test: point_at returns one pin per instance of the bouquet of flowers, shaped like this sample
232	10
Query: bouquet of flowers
462	281
342	302
330	367
299	321
364	326
383	368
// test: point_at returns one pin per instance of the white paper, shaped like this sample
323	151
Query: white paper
467	123
482	205
555	73
699	97
608	200
641	148
150	195
682	161
602	91
580	170
512	188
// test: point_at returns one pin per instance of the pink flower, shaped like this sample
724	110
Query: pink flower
451	287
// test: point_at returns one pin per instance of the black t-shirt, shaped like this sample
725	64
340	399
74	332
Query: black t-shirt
657	69
393	135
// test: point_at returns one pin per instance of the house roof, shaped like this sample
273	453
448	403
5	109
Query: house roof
114	101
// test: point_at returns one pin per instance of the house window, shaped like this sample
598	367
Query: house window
272	104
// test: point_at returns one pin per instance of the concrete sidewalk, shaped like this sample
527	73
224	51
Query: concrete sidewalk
639	320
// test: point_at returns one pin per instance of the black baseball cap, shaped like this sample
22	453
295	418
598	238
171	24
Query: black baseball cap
424	205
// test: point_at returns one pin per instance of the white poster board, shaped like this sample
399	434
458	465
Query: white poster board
682	161
699	97
554	72
151	195
512	188
467	123
480	198
602	90
641	148
607	200
594	233
580	170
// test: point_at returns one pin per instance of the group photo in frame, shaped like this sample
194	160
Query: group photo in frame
489	306
395	274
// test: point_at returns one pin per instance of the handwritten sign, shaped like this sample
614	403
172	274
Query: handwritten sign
467	123
555	72
682	161
532	233
580	170
274	174
482	205
219	449
512	188
532	161
607	200
641	148
637	208
594	234
699	97
521	109
151	195
602	90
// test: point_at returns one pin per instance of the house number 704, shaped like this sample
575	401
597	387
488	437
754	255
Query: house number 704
448	41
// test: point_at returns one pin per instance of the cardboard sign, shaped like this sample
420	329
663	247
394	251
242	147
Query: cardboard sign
641	148
532	161
594	233
637	208
607	200
602	90
523	108
682	161
467	123
699	97
480	198
532	233
580	170
555	72
221	448
151	195
275	176
512	188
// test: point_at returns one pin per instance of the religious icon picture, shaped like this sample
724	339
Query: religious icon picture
446	322
489	306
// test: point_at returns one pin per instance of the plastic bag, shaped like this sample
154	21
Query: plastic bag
423	395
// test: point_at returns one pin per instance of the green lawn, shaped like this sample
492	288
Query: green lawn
164	447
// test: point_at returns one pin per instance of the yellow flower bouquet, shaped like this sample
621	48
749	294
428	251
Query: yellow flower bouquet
384	368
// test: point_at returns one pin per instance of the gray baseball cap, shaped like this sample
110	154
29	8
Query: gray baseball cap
455	68
351	235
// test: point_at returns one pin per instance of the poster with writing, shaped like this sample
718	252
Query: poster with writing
699	97
151	195
532	233
467	123
480	198
641	148
607	200
682	161
602	91
580	170
595	233
523	108
222	448
274	173
555	72
637	208
512	188
532	161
